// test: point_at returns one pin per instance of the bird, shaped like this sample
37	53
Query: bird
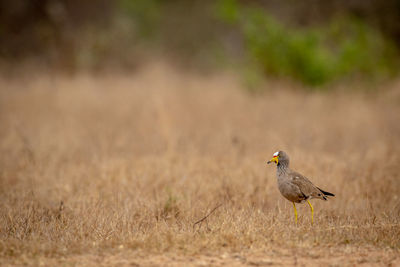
294	186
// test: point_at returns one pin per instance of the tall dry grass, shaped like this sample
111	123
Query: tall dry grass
136	160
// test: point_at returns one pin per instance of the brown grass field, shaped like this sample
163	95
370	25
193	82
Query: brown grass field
137	159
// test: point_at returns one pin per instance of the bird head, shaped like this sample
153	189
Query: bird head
279	157
275	158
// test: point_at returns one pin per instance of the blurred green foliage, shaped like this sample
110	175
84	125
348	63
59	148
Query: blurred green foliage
344	48
146	15
306	41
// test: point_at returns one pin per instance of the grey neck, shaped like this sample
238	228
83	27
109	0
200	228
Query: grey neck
283	166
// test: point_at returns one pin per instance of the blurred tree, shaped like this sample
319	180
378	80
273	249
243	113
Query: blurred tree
72	33
47	27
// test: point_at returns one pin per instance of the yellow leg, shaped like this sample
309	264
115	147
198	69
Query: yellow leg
312	212
295	212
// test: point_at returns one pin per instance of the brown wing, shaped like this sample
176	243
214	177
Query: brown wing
305	186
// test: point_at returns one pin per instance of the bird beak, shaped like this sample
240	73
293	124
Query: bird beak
274	159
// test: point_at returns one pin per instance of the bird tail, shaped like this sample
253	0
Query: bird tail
326	193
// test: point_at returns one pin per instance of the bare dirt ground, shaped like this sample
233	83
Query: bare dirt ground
115	169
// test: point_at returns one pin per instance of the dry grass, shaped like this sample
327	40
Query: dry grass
136	160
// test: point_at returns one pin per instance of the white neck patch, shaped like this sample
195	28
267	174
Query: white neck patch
276	154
